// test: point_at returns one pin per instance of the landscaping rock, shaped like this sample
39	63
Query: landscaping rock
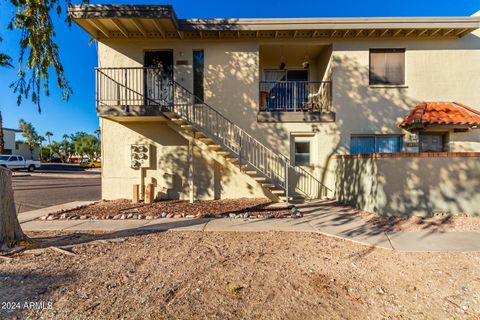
130	216
149	217
232	215
246	216
178	216
83	217
164	214
140	217
123	217
190	216
117	217
170	215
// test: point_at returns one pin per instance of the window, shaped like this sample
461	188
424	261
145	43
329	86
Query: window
20	158
376	144
286	75
432	142
13	159
302	153
387	66
198	73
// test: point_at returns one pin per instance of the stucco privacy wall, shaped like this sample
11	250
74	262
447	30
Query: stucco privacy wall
169	152
410	186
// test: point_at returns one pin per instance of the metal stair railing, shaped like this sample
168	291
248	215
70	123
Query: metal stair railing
114	86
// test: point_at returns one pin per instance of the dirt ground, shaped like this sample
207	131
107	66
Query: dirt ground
273	275
124	209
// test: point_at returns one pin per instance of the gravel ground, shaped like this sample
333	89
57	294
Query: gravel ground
271	275
124	209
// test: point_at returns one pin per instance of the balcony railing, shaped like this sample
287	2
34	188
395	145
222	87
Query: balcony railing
296	96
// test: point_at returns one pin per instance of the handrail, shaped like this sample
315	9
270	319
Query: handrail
202	117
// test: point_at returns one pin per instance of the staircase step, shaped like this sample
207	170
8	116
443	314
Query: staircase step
215	147
268	185
201	135
223	153
187	127
259	178
178	120
207	141
232	160
169	114
251	172
277	191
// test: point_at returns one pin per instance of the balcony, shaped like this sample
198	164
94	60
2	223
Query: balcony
132	92
295	101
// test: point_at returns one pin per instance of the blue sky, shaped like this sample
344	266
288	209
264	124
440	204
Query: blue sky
80	59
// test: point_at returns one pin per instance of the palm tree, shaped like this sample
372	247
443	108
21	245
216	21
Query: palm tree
48	134
2	142
98	132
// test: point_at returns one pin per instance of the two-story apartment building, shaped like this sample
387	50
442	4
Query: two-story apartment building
222	108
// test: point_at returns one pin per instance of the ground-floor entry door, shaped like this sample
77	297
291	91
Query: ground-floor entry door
158	77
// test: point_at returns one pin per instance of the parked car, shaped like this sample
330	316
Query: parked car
56	160
15	162
90	164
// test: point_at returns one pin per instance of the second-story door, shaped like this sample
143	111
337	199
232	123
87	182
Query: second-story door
158	77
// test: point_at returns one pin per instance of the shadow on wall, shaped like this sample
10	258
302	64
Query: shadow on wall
169	170
410	186
404	186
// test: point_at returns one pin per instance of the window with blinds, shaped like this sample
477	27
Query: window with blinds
387	66
366	144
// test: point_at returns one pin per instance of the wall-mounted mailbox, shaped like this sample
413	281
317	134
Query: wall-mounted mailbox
140	156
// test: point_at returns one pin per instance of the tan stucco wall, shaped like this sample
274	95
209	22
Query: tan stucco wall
169	153
9	139
24	151
435	70
410	186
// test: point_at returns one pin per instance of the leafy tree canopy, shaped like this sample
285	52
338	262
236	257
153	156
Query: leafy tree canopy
39	53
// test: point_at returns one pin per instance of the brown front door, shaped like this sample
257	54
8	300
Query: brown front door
158	77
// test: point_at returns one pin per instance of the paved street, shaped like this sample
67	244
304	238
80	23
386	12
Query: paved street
55	184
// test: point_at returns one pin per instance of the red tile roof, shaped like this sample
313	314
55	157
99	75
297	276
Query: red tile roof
448	113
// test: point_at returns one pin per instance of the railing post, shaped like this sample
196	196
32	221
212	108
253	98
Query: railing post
240	152
126	90
286	180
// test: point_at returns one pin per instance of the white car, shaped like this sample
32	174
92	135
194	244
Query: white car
15	162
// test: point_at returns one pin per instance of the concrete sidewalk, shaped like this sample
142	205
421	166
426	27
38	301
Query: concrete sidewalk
330	220
34	214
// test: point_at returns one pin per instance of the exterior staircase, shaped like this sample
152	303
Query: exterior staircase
211	131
